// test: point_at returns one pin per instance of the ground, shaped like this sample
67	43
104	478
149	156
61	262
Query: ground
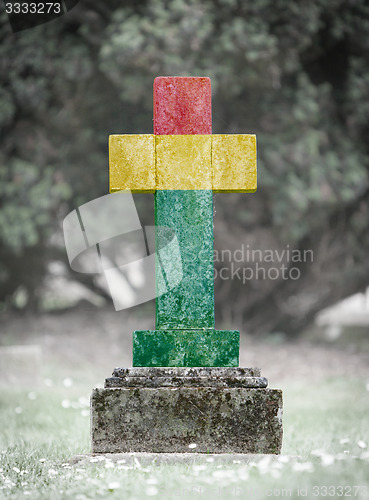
326	403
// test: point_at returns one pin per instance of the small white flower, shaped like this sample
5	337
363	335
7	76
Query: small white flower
318	453
303	467
277	465
121	461
210	459
65	403
67	382
327	460
361	444
344	440
340	456
26	492
192	446
264	464
85	413
15	469
152	491
114	485
124	467
94	459
48	382
42	460
18	410
109	465
32	396
152	480
218	473
275	473
83	401
199	467
52	472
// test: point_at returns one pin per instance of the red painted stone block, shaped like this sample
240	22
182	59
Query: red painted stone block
182	105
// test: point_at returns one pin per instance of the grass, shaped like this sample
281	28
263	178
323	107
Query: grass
325	451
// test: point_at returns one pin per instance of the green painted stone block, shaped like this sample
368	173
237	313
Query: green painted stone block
190	305
186	348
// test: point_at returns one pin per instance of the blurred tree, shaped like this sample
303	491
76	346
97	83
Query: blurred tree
296	74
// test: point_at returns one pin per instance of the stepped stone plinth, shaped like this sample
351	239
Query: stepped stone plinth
221	410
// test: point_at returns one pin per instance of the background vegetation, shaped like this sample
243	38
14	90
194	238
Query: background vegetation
294	73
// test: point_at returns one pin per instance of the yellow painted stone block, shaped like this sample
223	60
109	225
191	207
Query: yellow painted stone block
132	163
183	162
234	163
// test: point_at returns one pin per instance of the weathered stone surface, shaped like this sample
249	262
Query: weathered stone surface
197	371
147	162
183	162
217	420
182	105
252	382
188	377
234	163
190	214
185	347
167	412
132	163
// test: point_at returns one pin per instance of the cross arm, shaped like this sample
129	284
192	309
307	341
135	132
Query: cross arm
132	163
148	162
233	159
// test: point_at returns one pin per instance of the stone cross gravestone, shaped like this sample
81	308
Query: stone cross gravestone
185	386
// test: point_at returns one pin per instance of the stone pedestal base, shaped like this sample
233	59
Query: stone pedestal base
166	410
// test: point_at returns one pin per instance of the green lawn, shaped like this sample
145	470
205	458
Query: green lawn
325	451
